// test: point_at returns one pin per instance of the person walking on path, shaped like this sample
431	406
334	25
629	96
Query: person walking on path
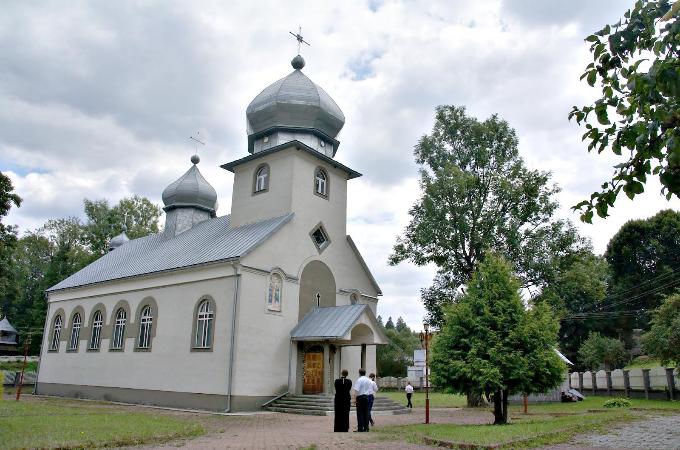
342	402
363	387
371	398
409	394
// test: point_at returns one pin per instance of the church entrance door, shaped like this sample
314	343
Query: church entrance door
313	375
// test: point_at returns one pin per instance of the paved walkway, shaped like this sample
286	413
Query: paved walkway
290	431
653	433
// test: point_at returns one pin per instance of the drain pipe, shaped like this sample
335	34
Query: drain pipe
237	286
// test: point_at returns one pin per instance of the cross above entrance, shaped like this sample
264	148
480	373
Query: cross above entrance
318	299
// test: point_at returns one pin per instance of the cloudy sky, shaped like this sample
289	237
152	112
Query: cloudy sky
97	99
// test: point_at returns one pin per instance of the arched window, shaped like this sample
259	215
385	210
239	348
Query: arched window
204	325
96	337
261	182
145	322
274	292
354	298
75	332
56	333
321	182
119	329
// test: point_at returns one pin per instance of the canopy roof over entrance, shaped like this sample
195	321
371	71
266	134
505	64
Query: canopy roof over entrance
348	323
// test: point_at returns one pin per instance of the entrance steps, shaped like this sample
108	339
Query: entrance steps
322	405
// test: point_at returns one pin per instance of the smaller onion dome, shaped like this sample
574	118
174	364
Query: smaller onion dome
119	240
191	190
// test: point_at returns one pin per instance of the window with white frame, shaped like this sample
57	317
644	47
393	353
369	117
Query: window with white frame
75	332
204	325
145	323
274	292
321	182
262	179
96	336
56	333
119	329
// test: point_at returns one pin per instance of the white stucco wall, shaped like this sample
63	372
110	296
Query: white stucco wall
263	337
170	365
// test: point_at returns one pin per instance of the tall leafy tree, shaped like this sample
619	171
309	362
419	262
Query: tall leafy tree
137	214
579	289
478	195
644	256
8	240
600	350
491	343
663	339
637	64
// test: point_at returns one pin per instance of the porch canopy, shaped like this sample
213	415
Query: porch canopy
342	325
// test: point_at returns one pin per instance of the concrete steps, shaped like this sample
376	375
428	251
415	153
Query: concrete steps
321	405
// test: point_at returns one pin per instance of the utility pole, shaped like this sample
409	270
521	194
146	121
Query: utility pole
27	343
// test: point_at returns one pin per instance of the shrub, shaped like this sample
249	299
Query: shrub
618	403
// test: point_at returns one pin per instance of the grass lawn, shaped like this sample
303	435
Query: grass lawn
52	423
15	366
437	399
546	423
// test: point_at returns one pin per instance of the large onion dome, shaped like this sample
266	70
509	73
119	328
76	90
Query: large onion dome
191	190
294	102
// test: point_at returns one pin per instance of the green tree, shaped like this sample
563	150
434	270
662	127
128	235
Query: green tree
8	240
478	195
578	290
491	343
644	256
389	325
137	214
637	63
663	339
394	358
598	349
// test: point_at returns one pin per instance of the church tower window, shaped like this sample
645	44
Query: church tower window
56	334
320	238
145	323
119	330
274	292
321	182
75	332
204	325
261	180
96	337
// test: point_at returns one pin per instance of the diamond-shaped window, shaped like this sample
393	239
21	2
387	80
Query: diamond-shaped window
320	237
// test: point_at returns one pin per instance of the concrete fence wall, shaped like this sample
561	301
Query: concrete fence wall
398	382
11	378
656	383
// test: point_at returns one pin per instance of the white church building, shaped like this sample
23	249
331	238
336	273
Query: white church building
226	313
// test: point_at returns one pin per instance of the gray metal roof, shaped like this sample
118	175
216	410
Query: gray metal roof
6	326
210	241
299	146
191	190
334	323
295	101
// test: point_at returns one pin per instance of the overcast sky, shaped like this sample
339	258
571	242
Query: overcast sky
97	100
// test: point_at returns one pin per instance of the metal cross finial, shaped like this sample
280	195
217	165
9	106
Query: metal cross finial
298	36
318	299
195	159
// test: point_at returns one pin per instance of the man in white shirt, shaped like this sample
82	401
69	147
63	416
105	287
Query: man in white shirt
363	387
409	393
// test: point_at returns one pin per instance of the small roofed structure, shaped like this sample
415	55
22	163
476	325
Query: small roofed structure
8	338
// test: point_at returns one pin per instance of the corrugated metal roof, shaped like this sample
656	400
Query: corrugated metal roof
209	241
331	322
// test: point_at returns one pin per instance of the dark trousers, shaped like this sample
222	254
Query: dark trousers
408	397
362	412
371	398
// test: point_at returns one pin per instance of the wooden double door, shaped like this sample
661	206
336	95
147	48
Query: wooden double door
313	373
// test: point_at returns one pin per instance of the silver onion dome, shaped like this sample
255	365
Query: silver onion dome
295	101
117	241
191	190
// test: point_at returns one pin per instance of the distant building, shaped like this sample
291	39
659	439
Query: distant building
8	338
416	372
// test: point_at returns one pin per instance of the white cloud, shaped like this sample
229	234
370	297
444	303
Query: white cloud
97	100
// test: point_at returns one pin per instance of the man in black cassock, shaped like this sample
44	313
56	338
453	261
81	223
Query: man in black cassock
343	400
